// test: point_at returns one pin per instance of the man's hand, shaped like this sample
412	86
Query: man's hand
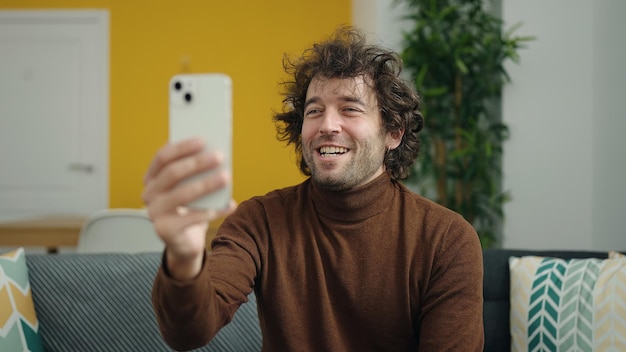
183	230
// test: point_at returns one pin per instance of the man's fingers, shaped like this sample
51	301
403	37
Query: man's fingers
175	172
172	152
163	202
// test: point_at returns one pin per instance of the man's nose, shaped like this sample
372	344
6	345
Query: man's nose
331	122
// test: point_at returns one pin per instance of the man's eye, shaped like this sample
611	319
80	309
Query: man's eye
352	109
311	112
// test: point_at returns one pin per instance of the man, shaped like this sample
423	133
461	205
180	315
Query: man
348	260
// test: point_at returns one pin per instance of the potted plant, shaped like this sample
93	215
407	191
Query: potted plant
456	52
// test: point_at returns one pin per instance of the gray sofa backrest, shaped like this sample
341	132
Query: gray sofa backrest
101	302
496	291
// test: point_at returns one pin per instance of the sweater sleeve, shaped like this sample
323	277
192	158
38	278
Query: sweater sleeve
190	313
187	312
452	310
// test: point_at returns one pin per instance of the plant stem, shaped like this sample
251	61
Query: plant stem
440	166
458	139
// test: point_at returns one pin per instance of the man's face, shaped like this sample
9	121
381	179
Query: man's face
343	140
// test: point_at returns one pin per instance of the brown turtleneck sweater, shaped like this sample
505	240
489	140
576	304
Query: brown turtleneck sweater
376	268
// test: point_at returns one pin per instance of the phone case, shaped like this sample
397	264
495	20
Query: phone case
201	105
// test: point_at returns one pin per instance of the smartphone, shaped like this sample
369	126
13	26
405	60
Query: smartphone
200	105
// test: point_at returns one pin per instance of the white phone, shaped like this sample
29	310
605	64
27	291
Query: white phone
201	105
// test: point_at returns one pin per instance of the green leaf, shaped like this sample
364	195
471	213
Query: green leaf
461	66
419	80
434	92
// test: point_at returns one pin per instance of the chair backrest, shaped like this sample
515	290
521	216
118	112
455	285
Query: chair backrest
121	230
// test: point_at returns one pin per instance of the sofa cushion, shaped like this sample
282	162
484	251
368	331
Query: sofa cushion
19	327
101	303
567	305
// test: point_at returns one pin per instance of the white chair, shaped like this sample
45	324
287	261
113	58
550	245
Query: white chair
121	230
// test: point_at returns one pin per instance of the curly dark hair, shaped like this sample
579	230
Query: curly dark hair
347	55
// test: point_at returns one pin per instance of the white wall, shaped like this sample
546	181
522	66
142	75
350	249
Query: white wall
548	107
609	124
563	164
381	20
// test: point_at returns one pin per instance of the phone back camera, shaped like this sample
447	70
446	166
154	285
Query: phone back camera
188	97
178	85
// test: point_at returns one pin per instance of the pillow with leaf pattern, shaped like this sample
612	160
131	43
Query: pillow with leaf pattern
19	327
568	305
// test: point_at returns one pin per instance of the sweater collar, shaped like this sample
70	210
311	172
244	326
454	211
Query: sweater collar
355	204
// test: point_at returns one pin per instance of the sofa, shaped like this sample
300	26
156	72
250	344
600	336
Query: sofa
101	302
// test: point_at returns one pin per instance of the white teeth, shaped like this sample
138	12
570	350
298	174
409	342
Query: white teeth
332	150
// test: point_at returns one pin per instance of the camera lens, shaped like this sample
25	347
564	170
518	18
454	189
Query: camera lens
178	85
188	97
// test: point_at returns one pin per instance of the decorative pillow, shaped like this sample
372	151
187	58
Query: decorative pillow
19	328
568	305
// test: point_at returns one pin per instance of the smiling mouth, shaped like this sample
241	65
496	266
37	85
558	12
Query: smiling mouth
332	151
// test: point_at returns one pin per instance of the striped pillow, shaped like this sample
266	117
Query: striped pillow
568	305
19	328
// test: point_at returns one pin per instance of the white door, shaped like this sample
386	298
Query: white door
54	108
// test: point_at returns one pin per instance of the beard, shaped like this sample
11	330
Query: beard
341	175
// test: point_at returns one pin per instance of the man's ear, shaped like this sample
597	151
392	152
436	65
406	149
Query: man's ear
394	138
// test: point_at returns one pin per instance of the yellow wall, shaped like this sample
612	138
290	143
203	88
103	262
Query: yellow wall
150	41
